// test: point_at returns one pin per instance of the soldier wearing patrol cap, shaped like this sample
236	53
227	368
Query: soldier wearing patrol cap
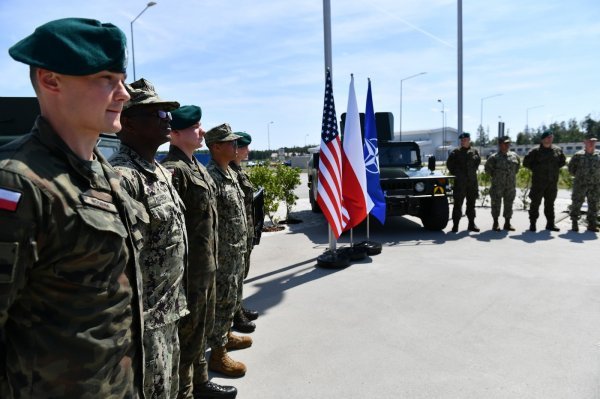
463	163
585	168
232	236
70	287
502	168
242	320
145	126
544	162
198	192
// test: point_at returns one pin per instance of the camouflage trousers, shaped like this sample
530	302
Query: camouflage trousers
229	279
161	349
546	191
194	330
459	197
499	194
245	270
579	194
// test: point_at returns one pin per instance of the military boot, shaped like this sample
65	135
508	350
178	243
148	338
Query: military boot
242	324
237	341
222	363
455	226
496	226
552	227
532	225
473	227
574	226
508	226
593	227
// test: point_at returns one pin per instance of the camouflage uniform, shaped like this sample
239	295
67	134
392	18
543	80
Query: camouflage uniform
586	170
232	249
503	170
248	190
463	163
162	262
197	189
70	287
545	164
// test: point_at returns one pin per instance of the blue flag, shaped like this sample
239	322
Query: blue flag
371	153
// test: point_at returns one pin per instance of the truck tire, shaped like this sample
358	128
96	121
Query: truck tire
434	213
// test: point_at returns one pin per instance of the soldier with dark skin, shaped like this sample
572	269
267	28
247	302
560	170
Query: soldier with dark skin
70	287
145	126
242	320
544	162
584	166
463	163
198	192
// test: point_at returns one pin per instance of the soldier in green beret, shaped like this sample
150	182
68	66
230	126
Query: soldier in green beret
145	126
242	320
70	285
198	192
585	168
232	238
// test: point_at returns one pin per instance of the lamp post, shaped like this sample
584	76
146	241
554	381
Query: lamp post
527	116
269	135
481	109
150	4
400	118
443	124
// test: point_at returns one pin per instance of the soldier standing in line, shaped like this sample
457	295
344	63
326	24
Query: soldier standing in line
232	235
544	162
585	168
145	126
463	163
70	287
503	167
198	192
242	319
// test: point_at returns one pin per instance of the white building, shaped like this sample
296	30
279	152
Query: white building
438	142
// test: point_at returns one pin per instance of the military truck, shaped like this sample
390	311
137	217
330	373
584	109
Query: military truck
408	187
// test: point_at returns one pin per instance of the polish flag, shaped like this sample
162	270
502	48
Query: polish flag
9	200
354	178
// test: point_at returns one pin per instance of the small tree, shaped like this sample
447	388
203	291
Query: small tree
263	176
288	179
484	180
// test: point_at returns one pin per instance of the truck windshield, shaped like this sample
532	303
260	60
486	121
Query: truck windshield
397	156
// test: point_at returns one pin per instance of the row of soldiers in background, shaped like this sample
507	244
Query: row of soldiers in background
114	279
544	162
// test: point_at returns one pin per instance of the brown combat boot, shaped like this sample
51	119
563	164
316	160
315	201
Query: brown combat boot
508	226
222	363
237	341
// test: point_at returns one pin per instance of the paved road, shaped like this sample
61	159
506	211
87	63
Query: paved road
436	315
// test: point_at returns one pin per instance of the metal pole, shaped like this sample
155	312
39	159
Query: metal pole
150	4
460	67
400	119
269	135
481	109
328	64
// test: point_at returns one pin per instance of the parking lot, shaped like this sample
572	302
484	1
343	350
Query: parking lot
435	315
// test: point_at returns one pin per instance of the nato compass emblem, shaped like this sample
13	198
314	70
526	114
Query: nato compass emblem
372	156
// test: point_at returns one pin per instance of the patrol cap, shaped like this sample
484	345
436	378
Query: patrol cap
464	135
219	134
591	136
244	140
142	92
504	139
546	134
185	116
74	46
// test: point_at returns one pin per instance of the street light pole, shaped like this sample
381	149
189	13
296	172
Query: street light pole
443	127
150	4
400	118
269	135
481	109
527	117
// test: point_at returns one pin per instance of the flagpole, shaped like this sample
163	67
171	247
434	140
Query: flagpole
328	65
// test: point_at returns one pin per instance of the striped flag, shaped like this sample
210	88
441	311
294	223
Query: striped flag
9	200
354	183
329	195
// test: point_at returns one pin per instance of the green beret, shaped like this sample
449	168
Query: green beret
74	46
546	134
220	133
244	140
464	135
142	92
185	117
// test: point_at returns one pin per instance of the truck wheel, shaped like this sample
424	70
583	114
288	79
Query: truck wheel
434	213
314	206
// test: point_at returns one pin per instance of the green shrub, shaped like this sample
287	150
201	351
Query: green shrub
264	176
484	180
288	179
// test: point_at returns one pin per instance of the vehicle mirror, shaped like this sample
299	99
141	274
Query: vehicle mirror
431	163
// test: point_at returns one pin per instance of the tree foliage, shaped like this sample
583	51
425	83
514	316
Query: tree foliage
279	183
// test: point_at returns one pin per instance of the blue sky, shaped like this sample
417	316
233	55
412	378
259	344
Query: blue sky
252	62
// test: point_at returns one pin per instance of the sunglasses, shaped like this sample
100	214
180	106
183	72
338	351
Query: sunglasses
164	115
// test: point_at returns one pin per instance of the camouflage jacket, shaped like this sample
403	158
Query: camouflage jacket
545	164
248	190
70	287
463	163
230	208
198	192
503	168
163	257
585	167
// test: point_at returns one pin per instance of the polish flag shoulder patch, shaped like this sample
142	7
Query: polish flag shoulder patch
9	199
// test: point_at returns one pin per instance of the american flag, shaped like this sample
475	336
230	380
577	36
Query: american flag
329	195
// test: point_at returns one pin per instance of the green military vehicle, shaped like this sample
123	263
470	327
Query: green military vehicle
409	188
